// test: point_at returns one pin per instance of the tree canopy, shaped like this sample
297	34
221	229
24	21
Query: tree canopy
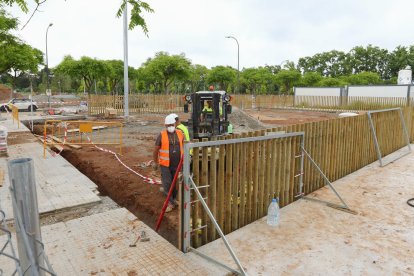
16	57
165	69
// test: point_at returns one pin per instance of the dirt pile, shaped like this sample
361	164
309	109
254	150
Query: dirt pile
243	122
4	92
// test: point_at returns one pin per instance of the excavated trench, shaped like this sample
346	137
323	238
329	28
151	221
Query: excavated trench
127	189
115	181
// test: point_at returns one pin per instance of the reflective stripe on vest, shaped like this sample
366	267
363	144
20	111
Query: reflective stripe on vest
164	152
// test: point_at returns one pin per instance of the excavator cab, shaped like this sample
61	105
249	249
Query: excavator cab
209	114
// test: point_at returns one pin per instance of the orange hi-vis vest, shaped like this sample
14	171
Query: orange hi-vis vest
164	152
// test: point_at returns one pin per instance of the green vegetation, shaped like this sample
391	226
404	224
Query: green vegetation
165	73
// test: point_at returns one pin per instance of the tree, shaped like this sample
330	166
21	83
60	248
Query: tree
221	75
364	78
399	59
333	64
369	59
330	82
166	69
135	18
310	79
87	69
114	74
197	77
7	24
257	79
287	79
16	59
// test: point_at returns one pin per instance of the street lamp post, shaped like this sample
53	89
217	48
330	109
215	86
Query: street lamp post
47	67
126	84
238	62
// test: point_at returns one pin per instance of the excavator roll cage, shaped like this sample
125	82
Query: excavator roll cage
212	123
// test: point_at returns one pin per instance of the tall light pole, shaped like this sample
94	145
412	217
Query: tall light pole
238	62
126	88
47	68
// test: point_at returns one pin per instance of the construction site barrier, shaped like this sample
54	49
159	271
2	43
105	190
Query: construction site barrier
237	181
318	102
138	103
76	134
15	114
162	104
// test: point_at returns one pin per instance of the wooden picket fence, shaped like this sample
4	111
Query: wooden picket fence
163	104
138	103
318	102
244	177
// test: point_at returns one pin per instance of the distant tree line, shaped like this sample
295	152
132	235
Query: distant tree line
166	73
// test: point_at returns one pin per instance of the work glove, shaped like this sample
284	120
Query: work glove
155	166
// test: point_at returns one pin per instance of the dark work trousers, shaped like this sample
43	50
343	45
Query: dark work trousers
167	176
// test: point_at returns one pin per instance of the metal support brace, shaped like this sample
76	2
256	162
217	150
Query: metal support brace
27	238
377	147
343	207
213	220
214	261
8	243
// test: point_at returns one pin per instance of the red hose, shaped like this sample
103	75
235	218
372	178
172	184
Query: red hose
172	187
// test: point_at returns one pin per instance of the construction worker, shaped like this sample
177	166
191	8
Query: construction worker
181	127
168	150
208	110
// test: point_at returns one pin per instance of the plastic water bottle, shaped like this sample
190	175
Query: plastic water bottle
273	213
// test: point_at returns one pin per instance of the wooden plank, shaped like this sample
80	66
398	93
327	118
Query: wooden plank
273	169
256	161
321	145
67	143
243	181
311	151
330	151
267	182
220	184
212	192
249	186
236	185
296	162
262	168
195	214
228	186
289	171
204	191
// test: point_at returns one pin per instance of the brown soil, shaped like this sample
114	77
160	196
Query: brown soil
125	188
16	138
281	117
5	93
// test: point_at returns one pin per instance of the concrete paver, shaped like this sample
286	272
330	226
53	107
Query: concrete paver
313	239
99	245
59	184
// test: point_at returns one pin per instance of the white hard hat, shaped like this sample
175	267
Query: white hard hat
170	119
174	115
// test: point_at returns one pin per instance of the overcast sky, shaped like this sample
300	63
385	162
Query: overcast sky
269	31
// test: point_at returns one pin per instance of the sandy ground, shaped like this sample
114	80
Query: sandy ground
313	239
278	117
